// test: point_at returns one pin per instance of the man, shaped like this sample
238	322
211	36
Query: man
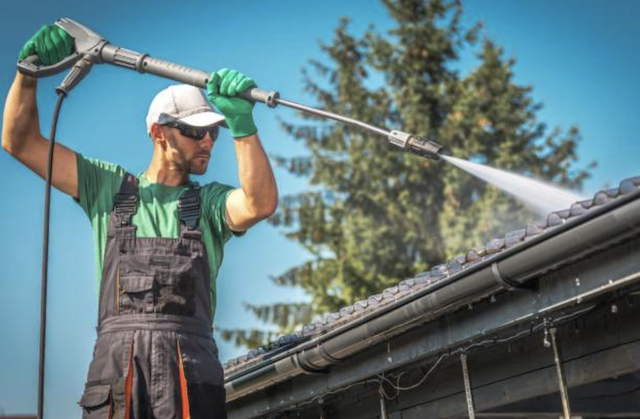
159	238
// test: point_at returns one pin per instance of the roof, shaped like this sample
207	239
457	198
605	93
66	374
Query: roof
438	273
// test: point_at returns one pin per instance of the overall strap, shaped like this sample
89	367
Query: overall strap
189	212
125	202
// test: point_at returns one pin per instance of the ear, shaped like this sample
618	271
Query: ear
157	134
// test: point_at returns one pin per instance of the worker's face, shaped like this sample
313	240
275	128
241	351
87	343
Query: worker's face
186	154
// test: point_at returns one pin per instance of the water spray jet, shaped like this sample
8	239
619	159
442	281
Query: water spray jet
541	197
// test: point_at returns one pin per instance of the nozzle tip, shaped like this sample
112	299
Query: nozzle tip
425	148
445	152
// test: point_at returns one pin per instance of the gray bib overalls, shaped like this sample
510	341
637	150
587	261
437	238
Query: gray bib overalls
155	356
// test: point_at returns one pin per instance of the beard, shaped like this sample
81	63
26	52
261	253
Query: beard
194	164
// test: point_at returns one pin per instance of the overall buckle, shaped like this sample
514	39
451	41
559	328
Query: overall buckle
126	206
189	208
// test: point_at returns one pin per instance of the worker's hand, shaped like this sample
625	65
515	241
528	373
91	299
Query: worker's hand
51	44
222	88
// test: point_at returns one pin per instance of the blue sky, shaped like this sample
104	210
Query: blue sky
581	57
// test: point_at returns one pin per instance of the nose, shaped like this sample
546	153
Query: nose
207	142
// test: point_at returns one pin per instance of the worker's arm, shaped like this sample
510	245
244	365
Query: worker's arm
21	135
257	198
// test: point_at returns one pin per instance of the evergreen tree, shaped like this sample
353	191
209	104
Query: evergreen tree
375	215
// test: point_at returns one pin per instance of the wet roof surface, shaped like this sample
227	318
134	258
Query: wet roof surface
437	273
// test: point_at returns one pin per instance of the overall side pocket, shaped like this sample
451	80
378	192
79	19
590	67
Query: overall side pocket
96	402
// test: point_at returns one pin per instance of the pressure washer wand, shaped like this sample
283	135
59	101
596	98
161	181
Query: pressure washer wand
92	48
146	64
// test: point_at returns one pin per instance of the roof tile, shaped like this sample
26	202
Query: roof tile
514	237
424	279
454	266
554	219
577	209
494	246
629	185
535	228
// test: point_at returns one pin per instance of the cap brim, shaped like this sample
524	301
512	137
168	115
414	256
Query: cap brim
204	119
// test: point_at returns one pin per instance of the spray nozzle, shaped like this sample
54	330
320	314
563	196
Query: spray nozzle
416	145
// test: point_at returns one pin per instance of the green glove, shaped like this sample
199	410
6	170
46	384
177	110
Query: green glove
223	85
51	44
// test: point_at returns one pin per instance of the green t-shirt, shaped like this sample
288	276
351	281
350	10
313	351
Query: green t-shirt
157	214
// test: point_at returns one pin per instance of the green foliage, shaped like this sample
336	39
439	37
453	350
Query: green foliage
376	215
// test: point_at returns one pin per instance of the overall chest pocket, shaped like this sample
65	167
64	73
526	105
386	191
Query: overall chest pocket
136	294
156	284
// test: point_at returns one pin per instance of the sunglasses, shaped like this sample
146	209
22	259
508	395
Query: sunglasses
195	133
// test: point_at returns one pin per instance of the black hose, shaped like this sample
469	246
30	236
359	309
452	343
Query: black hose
45	259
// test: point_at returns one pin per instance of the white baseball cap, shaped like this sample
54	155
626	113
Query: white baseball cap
185	103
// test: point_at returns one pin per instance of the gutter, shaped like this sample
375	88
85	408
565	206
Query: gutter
511	269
